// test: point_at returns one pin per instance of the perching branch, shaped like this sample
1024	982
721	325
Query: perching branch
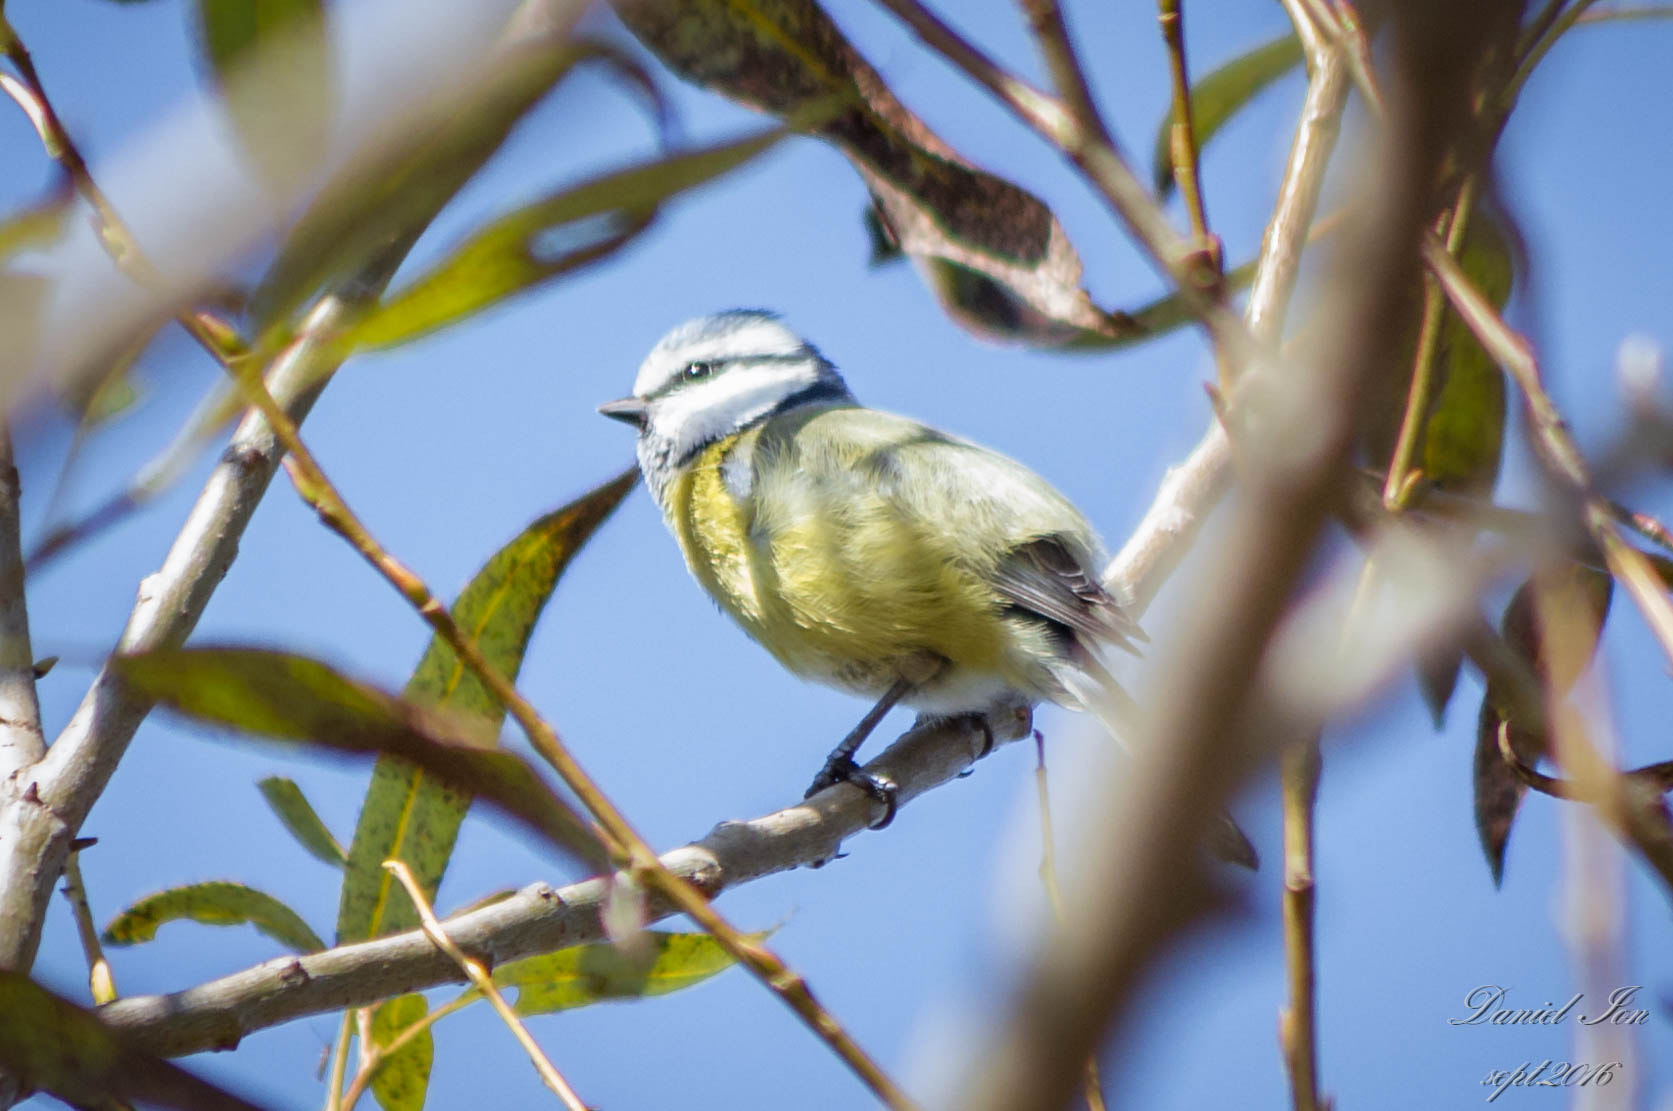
538	919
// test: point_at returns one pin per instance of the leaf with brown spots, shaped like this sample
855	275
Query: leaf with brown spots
994	254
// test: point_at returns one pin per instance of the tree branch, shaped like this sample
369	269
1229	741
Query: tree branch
618	836
1147	881
44	806
1088	145
538	919
1192	489
21	741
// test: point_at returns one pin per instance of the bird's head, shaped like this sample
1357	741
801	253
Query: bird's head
718	375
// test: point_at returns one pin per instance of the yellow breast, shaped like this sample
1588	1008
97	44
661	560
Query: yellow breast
823	574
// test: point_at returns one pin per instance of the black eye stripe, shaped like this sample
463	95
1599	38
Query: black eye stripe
716	365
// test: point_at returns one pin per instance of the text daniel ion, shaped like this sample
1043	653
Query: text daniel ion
1487	1008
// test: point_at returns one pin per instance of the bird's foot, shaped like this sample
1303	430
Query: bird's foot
842	769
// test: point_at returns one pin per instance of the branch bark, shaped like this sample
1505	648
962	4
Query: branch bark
45	804
21	742
538	919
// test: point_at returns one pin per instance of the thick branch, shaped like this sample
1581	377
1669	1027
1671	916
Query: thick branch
43	808
1147	880
538	919
21	742
173	599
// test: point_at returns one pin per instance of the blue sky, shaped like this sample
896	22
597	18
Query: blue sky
448	447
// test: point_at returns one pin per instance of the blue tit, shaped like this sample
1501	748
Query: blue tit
866	550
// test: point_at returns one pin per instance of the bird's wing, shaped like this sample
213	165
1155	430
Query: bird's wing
1040	553
1047	577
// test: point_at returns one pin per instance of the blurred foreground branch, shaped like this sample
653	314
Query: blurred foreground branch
1198	746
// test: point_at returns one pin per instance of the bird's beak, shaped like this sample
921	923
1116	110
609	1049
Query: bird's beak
629	410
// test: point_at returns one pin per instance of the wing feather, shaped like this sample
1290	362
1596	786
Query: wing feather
1045	576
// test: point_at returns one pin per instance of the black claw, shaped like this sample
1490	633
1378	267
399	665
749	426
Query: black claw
837	769
881	788
986	727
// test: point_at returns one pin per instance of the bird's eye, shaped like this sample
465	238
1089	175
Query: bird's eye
694	371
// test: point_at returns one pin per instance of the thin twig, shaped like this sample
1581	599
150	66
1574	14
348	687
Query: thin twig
1045	20
484	983
1554	441
1397	485
1093	1088
622	841
152	480
1182	151
1090	148
213	334
339	1063
375	1055
1540	43
101	982
1182	144
1191	489
1298	1022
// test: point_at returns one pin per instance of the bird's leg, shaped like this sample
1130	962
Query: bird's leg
841	768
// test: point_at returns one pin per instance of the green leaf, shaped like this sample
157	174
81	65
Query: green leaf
274	64
1463	436
214	903
403	1078
1159	317
293	698
1221	95
409	815
549	237
38	225
586	974
292	808
49	1044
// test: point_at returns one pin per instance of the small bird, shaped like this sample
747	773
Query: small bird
866	550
